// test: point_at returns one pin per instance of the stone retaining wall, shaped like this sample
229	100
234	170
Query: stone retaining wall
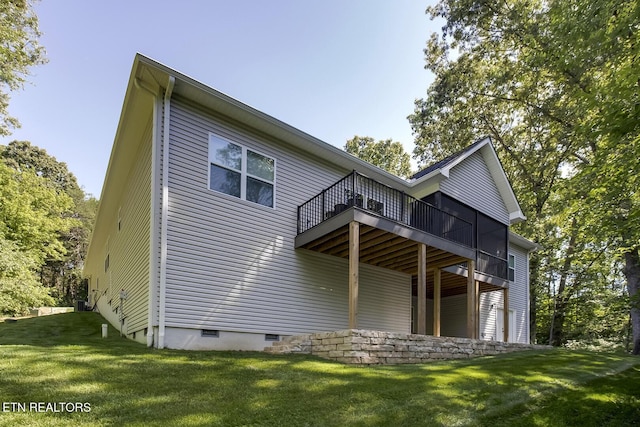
358	346
46	311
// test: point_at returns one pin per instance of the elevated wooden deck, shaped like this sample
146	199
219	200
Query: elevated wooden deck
367	222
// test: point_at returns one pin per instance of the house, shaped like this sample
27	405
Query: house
220	227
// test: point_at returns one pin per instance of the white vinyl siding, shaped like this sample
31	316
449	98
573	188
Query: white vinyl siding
127	248
518	302
453	316
471	183
129	258
519	293
231	264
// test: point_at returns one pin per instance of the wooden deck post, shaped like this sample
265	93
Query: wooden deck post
422	289
472	327
477	296
505	312
437	280
354	260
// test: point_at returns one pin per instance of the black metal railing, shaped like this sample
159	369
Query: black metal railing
492	265
357	190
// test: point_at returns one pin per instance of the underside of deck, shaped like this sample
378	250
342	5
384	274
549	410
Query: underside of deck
395	247
438	267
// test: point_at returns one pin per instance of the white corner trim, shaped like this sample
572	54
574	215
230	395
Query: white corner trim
164	210
154	237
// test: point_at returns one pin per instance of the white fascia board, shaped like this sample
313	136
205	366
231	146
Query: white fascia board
480	146
523	242
137	109
440	174
502	182
246	115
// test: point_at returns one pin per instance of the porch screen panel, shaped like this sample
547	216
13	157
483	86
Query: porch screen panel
492	245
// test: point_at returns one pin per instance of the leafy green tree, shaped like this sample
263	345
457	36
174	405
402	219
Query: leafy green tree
19	50
20	288
21	155
556	85
61	274
34	214
385	154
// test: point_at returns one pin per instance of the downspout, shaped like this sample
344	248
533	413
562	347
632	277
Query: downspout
164	209
154	216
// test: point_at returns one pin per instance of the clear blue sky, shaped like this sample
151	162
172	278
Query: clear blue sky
331	68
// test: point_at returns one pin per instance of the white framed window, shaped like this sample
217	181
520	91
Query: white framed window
241	172
512	268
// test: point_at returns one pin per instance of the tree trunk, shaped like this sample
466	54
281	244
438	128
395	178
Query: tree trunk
534	269
632	273
559	313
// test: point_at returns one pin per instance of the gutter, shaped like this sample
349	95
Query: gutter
164	209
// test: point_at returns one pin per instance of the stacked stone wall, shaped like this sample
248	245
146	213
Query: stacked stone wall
357	346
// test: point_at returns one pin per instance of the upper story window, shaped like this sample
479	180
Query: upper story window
512	267
241	172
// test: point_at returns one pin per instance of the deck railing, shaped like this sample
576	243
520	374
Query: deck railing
357	190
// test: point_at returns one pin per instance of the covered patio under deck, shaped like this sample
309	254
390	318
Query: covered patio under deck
366	222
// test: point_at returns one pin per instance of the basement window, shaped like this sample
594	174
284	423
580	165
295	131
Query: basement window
271	337
213	333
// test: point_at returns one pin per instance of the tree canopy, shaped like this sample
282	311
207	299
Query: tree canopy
45	223
19	51
385	154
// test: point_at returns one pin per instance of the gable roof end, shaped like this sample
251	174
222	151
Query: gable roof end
441	170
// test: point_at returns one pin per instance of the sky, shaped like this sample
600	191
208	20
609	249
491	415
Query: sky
331	68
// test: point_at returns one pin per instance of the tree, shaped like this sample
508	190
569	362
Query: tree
19	50
556	86
34	215
61	274
386	154
19	285
21	155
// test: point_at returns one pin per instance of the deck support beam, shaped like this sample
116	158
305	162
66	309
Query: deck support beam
437	283
422	289
505	312
472	298
354	261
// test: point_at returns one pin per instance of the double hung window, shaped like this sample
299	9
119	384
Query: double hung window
512	267
240	172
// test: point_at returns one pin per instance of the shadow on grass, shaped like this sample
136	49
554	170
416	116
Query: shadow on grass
63	358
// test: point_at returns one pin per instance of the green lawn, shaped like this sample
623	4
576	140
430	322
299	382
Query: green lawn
63	358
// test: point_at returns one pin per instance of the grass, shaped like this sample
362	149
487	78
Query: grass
63	358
